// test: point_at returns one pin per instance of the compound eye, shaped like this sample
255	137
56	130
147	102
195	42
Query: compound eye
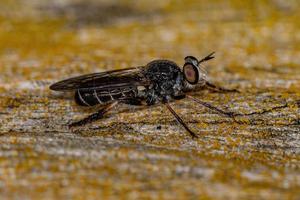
191	73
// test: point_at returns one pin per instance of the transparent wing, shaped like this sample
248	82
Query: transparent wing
103	80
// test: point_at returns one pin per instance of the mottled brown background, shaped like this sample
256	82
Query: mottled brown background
127	155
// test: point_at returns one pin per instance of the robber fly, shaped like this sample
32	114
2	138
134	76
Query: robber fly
160	81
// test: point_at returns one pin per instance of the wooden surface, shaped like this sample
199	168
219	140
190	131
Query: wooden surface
142	153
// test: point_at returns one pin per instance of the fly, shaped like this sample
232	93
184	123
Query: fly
160	81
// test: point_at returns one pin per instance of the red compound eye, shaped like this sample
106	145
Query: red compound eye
191	73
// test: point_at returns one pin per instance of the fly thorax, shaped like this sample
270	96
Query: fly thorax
141	91
179	83
165	76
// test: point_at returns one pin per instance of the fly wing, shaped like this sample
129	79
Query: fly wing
103	80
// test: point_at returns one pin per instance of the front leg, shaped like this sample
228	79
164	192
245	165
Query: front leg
215	88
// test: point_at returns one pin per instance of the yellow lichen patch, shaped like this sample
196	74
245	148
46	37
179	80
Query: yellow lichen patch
142	152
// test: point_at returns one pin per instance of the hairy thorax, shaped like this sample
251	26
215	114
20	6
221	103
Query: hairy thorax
166	81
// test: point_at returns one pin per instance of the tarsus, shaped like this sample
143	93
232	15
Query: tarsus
233	114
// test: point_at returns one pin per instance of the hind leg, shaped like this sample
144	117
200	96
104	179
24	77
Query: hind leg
94	117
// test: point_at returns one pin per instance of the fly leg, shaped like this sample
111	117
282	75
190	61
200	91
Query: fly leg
234	114
228	114
215	88
94	117
181	121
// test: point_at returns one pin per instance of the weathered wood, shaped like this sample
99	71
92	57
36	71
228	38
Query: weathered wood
142	152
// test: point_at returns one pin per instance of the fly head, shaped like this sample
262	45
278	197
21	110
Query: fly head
192	70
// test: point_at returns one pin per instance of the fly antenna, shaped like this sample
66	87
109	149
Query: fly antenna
209	57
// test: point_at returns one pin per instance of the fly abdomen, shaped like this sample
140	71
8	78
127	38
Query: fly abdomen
85	98
94	97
